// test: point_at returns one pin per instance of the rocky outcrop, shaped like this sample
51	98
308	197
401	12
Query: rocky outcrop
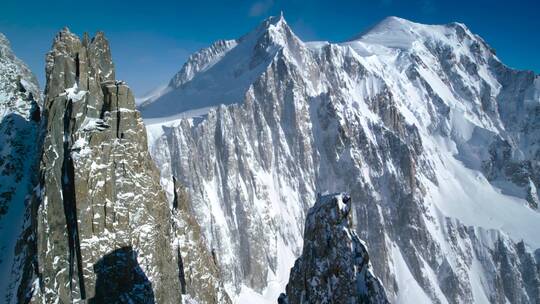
99	228
334	265
19	126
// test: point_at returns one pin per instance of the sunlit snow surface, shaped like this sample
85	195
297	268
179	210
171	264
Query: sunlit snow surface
454	143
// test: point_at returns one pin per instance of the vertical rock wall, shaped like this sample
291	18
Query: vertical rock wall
102	215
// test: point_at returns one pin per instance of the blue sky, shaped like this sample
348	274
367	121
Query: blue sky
150	40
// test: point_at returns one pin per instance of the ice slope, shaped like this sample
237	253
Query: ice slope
435	139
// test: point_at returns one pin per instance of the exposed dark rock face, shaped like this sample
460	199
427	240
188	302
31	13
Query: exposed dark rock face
334	266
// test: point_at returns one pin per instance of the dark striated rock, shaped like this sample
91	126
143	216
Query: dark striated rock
517	272
334	266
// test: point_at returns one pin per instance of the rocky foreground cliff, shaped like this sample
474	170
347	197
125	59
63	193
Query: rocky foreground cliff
19	126
99	227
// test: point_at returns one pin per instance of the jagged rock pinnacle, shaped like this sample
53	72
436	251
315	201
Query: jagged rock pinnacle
334	266
101	206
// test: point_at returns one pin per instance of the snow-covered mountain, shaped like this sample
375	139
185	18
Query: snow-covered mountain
19	124
222	73
429	132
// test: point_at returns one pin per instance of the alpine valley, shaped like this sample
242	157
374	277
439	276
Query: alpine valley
400	166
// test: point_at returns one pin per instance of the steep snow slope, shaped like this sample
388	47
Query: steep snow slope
421	123
19	121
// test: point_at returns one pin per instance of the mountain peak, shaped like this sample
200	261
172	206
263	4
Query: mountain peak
390	22
65	29
64	38
400	33
5	46
65	34
211	68
394	20
275	20
273	25
68	48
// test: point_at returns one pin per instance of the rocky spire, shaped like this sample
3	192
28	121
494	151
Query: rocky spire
334	266
102	218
